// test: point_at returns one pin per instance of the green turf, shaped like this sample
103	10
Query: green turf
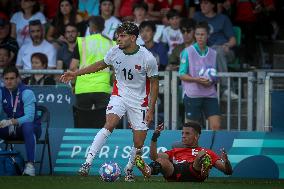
69	182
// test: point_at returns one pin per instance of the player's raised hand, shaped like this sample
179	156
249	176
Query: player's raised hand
157	132
159	128
224	155
67	76
227	165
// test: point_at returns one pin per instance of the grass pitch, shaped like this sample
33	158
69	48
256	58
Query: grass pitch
93	182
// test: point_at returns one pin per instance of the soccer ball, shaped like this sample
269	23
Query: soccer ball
110	171
210	74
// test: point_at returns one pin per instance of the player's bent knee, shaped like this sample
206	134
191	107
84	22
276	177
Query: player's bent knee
109	127
167	167
164	162
156	168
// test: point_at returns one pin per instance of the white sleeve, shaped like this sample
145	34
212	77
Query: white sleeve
19	61
52	58
14	18
152	66
40	17
108	59
164	36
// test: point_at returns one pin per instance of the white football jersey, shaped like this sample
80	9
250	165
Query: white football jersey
172	38
132	72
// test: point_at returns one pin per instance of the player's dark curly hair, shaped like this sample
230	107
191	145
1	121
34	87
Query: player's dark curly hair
128	28
195	125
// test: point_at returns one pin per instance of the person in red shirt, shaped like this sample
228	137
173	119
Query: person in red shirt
189	162
123	9
159	8
255	18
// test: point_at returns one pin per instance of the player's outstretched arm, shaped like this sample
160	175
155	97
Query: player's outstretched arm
69	75
153	147
154	83
224	164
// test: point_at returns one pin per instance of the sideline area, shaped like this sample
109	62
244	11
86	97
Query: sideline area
70	182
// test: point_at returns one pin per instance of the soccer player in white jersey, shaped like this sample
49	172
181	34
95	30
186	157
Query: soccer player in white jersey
136	72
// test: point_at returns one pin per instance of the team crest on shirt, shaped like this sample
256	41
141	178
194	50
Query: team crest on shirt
138	67
183	60
5	101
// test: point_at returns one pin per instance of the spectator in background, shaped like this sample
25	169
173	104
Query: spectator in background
140	13
66	14
172	35
254	18
225	7
7	7
89	7
7	41
158	9
4	57
39	62
124	8
20	21
92	90
49	8
21	121
221	38
200	95
39	44
187	27
147	31
194	6
111	22
65	52
4	61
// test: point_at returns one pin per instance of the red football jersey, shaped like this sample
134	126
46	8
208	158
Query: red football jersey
179	155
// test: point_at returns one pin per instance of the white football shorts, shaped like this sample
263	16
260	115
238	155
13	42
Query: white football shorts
136	116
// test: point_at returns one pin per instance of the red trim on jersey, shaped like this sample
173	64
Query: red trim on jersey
146	99
115	88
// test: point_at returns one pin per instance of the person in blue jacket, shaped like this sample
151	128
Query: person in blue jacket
18	106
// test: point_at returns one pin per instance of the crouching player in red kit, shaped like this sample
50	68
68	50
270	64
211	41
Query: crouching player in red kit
190	163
